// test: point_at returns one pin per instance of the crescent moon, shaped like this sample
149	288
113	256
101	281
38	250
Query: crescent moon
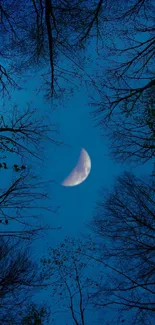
80	172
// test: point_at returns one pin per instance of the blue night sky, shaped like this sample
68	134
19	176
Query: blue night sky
76	131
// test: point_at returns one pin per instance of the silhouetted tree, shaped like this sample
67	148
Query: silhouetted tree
36	315
22	135
128	72
126	81
23	132
6	81
133	138
19	281
21	205
125	224
72	281
39	33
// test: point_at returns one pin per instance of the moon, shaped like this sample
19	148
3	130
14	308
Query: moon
80	172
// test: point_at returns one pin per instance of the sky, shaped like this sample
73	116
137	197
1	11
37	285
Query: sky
76	130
